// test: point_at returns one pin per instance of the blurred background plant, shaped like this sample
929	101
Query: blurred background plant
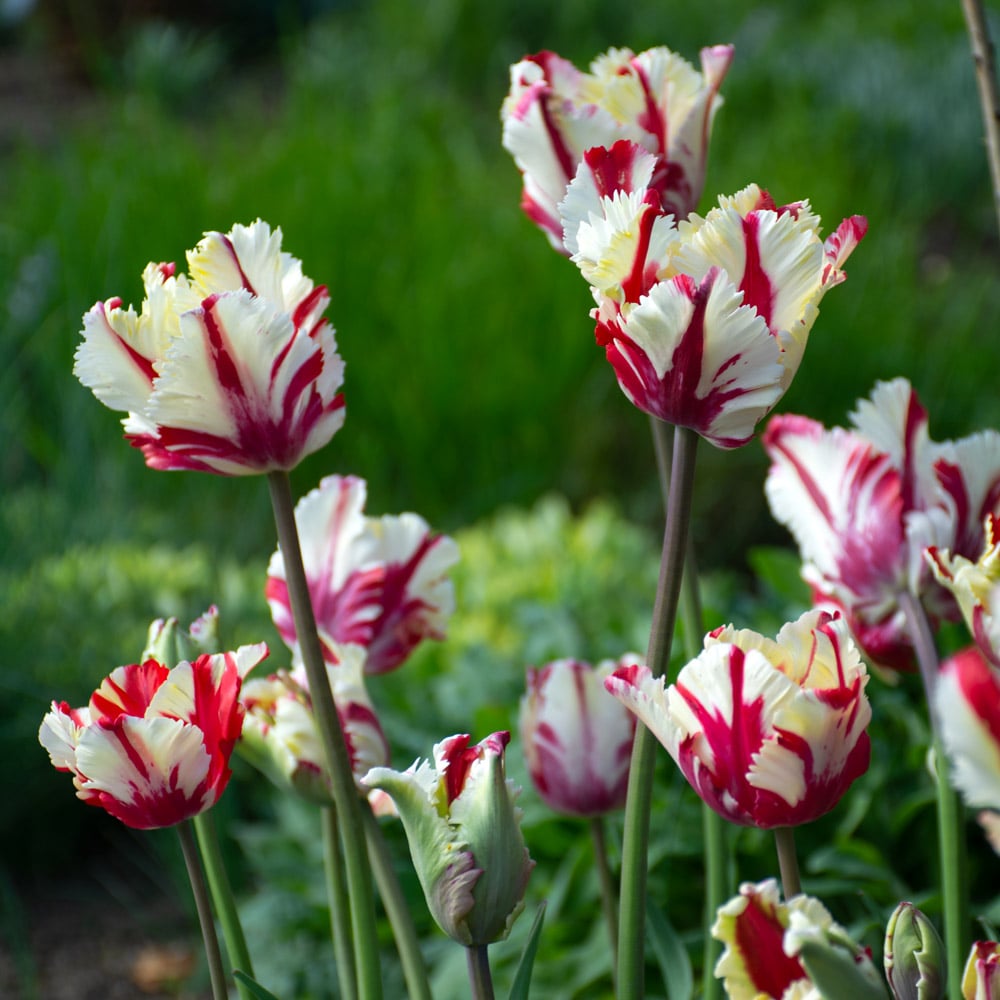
369	132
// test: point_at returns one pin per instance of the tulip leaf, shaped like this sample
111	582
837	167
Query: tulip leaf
672	956
835	974
522	978
253	987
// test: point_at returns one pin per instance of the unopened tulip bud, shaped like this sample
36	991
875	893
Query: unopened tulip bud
913	956
465	836
167	642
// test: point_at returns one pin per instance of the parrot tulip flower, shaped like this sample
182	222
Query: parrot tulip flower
152	748
768	732
380	583
577	739
231	370
864	503
790	950
704	322
465	836
280	735
554	113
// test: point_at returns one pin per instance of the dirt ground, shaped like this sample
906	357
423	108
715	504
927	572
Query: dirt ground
77	942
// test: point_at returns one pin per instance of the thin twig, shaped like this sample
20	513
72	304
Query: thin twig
986	81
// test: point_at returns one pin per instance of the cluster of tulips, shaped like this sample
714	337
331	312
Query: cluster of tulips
233	369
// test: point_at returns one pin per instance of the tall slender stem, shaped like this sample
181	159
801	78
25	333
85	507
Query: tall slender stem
396	908
204	907
635	842
340	913
713	826
222	897
788	862
345	795
986	81
609	902
950	817
480	978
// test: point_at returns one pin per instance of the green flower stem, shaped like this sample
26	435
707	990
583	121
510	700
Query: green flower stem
479	972
414	967
340	912
950	816
788	862
360	891
635	842
609	902
204	906
713	826
222	897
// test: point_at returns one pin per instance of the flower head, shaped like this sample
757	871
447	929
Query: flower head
554	113
465	836
790	950
577	739
864	503
232	370
768	732
380	583
281	737
153	745
704	322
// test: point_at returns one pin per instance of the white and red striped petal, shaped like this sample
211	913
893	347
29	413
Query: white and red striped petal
241	391
864	505
380	583
768	734
613	228
693	355
981	977
234	371
547	127
681	105
148	773
251	258
554	113
842	500
773	255
577	739
967	703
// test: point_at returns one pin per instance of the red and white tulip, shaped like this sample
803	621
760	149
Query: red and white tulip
281	737
380	583
768	732
790	950
864	503
704	322
232	370
554	113
152	747
577	739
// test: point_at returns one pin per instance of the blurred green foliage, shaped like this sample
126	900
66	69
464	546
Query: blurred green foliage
371	136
